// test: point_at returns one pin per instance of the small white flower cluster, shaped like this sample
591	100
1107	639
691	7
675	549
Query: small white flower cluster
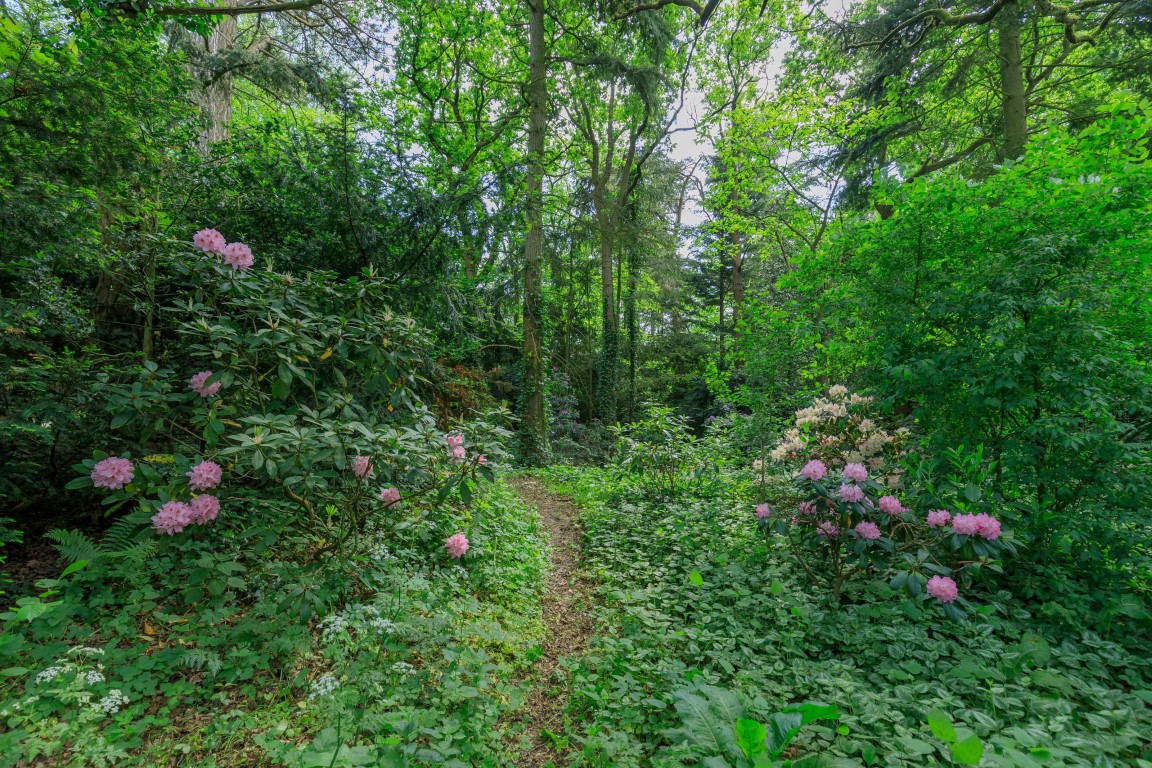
357	617
325	685
49	674
112	702
379	553
92	677
403	668
333	626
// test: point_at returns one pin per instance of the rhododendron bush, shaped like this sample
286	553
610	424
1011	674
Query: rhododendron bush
661	453
861	514
295	392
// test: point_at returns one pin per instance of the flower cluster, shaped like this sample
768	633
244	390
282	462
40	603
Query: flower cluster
983	525
835	432
113	473
456	545
199	385
174	515
455	442
362	466
236	255
205	475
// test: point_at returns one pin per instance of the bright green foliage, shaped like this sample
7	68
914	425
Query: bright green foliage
1007	312
661	455
750	627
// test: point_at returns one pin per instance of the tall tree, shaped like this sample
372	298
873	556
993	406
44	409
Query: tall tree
534	427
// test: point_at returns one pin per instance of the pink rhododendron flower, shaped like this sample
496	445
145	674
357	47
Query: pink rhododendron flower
205	475
829	529
198	386
205	508
454	438
362	466
867	530
456	545
987	526
763	510
113	473
482	460
966	525
814	470
938	517
457	452
851	492
943	589
857	472
890	505
807	507
389	496
209	241
173	517
238	256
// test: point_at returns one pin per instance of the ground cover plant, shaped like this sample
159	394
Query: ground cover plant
697	602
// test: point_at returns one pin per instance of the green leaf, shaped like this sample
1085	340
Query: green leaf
281	389
969	751
696	578
73	568
941	726
750	736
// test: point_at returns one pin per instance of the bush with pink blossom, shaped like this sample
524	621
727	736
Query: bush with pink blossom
301	388
167	489
861	514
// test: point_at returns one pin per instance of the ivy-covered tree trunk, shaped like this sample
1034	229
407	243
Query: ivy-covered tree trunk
534	426
609	328
1013	97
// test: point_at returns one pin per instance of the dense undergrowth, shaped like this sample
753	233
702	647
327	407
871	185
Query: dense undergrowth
694	595
414	665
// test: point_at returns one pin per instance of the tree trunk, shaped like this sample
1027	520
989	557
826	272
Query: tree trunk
610	341
633	330
1013	105
534	427
217	106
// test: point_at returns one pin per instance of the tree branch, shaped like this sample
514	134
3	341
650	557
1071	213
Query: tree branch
658	4
239	10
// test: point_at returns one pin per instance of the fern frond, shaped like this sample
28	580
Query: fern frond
74	545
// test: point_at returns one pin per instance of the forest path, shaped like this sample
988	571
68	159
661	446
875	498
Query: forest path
566	618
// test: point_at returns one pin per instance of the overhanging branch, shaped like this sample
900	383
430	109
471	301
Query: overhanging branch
239	10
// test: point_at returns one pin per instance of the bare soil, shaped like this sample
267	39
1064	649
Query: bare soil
567	621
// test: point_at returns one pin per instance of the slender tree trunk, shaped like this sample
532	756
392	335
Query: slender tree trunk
633	330
1013	104
534	426
217	106
609	325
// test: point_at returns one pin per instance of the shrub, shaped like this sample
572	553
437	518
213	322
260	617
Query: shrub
851	519
661	454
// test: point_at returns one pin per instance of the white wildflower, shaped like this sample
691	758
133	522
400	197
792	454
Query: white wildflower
112	703
322	686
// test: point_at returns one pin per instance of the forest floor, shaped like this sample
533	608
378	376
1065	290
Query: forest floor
568	624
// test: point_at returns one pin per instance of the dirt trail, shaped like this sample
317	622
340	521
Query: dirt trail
566	618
